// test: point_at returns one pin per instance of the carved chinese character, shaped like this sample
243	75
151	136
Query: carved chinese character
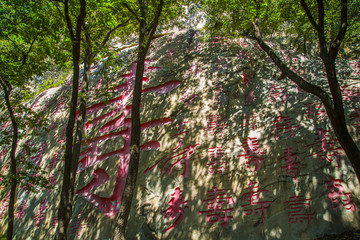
218	210
20	213
36	160
188	97
278	94
350	94
292	161
315	110
111	205
176	209
283	125
254	205
216	162
39	217
4	206
249	121
299	209
336	193
326	148
252	153
177	158
79	224
216	124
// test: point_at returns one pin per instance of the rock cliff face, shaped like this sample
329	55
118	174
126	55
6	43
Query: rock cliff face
229	149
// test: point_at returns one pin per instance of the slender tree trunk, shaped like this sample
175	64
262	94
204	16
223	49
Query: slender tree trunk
123	214
80	123
146	33
66	197
67	190
337	117
13	163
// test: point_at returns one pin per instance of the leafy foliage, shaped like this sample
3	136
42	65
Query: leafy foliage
283	21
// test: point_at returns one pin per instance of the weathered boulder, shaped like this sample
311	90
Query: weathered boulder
230	150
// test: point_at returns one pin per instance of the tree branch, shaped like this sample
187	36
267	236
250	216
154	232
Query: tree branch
80	19
318	27
321	32
6	85
68	20
153	25
303	84
335	44
309	15
131	11
25	56
112	30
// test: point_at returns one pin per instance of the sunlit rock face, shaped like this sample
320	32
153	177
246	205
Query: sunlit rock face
229	149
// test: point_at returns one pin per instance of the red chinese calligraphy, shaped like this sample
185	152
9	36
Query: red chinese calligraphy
299	209
278	94
292	161
355	66
178	157
188	97
20	213
252	153
217	209
4	206
79	225
37	158
39	217
218	94
336	193
327	148
3	152
253	204
54	161
350	94
176	209
249	120
283	125
180	154
315	111
216	124
216	162
111	205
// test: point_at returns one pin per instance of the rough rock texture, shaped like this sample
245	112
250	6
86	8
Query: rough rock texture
230	149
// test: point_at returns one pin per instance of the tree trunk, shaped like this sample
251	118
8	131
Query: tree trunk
146	33
337	117
67	190
121	218
13	167
67	194
80	123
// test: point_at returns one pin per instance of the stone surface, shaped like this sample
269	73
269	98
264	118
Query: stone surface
229	150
